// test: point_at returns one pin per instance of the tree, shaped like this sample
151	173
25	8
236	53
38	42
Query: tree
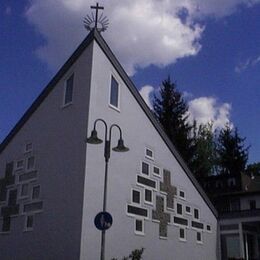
231	150
253	169
171	111
204	159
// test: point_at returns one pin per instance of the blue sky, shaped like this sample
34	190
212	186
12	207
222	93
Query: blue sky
210	48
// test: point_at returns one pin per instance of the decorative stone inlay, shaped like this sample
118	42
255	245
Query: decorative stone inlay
160	215
170	190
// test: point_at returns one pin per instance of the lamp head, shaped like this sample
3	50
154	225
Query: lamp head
120	146
93	139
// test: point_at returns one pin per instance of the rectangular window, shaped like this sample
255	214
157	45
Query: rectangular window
156	171
28	147
252	204
114	93
30	163
145	168
149	153
208	228
19	165
68	95
136	196
139	226
182	234
29	222
179	209
188	210
199	237
36	192
24	190
196	214
148	196
182	194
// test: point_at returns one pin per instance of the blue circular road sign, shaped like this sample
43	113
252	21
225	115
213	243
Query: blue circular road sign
103	220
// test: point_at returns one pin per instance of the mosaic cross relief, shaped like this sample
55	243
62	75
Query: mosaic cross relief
161	209
170	190
160	215
19	193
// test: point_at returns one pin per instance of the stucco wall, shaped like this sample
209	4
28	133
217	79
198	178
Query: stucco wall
58	137
138	133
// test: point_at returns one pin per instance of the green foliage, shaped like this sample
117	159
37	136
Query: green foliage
135	255
232	153
204	158
171	111
253	169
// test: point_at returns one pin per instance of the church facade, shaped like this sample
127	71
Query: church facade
52	179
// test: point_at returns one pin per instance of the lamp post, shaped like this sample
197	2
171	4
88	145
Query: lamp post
93	139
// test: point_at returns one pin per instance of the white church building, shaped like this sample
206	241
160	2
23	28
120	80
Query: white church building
52	178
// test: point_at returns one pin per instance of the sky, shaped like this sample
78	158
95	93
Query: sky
211	49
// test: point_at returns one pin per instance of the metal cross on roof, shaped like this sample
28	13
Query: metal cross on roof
97	22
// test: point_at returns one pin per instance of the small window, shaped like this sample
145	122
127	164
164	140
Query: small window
145	168
156	171
24	190
136	196
182	194
199	237
29	222
196	214
28	147
179	209
139	226
182	234
208	228
19	165
188	209
148	196
36	192
30	163
149	153
252	204
68	95
6	224
114	93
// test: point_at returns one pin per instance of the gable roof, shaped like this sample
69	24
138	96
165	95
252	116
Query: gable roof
95	35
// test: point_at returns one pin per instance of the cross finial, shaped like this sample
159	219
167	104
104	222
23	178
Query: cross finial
98	22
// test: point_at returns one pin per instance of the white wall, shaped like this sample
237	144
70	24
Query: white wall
58	138
138	133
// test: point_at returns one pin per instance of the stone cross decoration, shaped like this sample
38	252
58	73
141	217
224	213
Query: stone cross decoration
96	7
160	215
170	190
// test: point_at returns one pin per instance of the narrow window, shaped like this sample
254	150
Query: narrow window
136	198
36	192
145	168
139	226
188	210
24	190
252	204
149	153
208	228
68	90
179	209
114	92
182	234
30	163
196	213
148	196
199	237
29	222
182	194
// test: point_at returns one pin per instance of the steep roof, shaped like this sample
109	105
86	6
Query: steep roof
95	35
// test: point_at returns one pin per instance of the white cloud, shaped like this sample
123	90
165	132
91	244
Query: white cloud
207	109
250	62
146	92
141	32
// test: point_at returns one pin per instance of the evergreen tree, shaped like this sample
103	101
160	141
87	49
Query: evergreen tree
204	159
232	153
171	111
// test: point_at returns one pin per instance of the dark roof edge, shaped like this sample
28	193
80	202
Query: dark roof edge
47	90
108	52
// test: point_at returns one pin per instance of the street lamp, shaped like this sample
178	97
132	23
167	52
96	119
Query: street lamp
93	139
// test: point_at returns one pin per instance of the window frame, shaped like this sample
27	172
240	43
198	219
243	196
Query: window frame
64	103
36	186
201	240
132	201
117	108
138	232
177	213
149	168
21	189
198	213
26	164
26	228
184	239
17	168
26	150
147	201
148	156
